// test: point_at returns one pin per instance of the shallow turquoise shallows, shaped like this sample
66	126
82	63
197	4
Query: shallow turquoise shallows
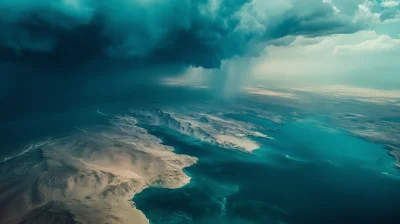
310	173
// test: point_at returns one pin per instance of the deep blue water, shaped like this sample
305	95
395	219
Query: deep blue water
15	135
310	173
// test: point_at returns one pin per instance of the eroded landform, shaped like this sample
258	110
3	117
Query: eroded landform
91	175
88	177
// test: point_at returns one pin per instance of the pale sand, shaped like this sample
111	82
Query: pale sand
91	177
244	144
211	128
266	92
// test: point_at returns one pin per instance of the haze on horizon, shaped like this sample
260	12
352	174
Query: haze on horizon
59	50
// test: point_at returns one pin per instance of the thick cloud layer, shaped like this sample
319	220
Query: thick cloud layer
189	32
59	52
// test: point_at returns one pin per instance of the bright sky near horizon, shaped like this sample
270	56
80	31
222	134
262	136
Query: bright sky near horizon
220	44
365	57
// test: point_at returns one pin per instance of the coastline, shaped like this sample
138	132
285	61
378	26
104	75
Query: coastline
91	176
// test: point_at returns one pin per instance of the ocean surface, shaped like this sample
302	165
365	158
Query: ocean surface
309	173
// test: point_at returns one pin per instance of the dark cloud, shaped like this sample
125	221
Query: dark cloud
61	52
192	32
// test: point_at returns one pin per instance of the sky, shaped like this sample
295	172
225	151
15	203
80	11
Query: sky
363	52
54	51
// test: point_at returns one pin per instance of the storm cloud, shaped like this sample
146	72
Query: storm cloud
200	33
61	52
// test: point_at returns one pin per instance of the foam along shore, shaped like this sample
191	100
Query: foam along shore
395	152
28	149
90	177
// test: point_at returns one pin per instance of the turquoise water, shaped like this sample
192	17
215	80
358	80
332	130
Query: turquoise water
392	119
255	120
310	173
